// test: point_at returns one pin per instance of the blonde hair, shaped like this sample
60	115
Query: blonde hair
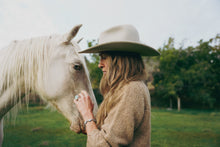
123	68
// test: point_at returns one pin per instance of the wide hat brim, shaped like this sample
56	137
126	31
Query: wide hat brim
123	46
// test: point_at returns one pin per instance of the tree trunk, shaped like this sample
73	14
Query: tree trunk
171	103
178	104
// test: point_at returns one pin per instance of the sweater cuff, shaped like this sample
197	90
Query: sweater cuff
94	132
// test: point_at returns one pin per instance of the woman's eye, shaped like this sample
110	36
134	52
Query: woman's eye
102	57
77	67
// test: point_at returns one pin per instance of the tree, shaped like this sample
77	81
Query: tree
191	74
168	81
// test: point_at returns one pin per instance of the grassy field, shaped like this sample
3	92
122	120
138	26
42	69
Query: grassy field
41	127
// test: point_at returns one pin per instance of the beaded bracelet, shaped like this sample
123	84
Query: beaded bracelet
85	122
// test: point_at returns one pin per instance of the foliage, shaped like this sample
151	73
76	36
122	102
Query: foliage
191	74
41	127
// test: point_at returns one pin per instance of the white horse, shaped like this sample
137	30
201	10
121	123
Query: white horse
49	66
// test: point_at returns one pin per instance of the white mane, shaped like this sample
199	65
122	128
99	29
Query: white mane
24	62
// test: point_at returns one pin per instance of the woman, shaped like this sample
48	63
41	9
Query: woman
123	118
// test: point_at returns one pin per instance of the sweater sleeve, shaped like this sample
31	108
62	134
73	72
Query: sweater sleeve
122	120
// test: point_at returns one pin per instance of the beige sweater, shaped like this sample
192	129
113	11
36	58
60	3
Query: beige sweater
128	123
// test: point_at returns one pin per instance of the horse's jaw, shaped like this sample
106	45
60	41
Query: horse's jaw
67	107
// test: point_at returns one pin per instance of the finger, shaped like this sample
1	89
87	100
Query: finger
85	94
81	96
75	101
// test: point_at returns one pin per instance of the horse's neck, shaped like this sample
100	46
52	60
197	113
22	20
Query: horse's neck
7	101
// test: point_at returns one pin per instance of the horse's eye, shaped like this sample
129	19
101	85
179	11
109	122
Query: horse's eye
77	67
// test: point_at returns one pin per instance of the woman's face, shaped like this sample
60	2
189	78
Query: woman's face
103	63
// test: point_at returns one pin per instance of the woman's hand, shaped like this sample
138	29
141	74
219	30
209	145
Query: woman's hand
84	105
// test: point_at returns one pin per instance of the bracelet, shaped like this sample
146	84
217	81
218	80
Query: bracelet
85	122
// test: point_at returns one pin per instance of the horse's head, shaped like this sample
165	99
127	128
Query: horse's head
65	77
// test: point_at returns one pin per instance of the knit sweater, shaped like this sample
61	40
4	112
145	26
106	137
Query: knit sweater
128	122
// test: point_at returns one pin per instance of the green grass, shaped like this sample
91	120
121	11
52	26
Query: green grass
41	127
188	128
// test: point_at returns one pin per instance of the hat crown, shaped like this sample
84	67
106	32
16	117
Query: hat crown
122	33
122	38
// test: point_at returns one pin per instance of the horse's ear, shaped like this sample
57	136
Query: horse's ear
80	40
73	33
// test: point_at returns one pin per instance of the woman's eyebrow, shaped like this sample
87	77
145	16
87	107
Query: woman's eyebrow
102	55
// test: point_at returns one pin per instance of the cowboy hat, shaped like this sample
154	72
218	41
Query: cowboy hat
123	38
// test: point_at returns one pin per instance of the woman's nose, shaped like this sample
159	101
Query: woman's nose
100	65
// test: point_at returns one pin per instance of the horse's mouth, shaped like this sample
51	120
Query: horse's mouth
75	127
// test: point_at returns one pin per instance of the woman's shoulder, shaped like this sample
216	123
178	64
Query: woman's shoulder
134	95
135	85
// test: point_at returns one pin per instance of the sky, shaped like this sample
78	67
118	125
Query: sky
187	21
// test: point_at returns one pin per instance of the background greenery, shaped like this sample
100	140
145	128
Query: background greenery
191	74
42	127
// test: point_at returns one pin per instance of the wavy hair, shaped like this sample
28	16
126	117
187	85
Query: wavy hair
123	68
